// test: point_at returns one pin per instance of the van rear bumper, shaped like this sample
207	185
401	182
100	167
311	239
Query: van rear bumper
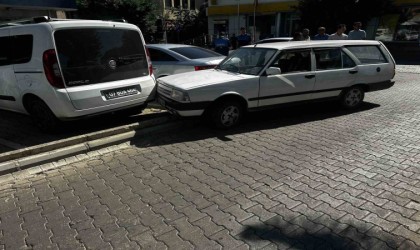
381	85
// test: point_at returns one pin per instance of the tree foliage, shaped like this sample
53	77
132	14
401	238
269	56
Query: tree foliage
142	13
330	13
186	24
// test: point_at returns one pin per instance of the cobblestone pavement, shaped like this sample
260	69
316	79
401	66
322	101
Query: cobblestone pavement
17	131
310	177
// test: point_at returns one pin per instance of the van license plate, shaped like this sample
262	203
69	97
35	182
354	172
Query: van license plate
120	92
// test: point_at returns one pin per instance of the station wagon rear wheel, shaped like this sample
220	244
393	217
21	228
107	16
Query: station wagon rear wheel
227	114
353	97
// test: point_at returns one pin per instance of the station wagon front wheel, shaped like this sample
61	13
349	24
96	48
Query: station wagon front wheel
353	97
227	114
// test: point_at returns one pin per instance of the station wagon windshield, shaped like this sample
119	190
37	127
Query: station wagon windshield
248	61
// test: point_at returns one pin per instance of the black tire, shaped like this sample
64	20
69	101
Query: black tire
353	97
227	114
42	116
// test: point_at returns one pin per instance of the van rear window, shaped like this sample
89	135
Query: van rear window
95	55
367	54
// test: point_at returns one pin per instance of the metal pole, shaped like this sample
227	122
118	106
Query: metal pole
165	39
238	19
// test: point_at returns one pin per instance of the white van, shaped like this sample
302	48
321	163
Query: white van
271	74
68	69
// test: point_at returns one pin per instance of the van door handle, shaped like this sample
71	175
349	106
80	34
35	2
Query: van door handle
310	76
353	71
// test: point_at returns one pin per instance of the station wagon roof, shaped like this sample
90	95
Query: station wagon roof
167	45
311	44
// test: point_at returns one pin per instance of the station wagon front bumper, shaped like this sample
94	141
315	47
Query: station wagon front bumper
182	108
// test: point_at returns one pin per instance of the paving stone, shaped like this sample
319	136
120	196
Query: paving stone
208	226
225	239
408	234
173	241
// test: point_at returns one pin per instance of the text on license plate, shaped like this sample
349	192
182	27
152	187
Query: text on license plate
120	92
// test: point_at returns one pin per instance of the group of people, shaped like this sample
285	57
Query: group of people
222	44
356	34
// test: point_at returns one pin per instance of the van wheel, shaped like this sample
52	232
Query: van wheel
352	97
227	114
42	116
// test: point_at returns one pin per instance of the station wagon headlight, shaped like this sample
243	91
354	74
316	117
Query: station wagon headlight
179	95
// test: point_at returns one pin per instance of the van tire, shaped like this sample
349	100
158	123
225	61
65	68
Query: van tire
42	116
227	114
352	97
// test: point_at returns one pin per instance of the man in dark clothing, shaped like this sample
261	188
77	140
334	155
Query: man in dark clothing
233	41
321	34
243	38
222	44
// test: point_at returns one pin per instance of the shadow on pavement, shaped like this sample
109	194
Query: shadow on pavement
19	129
335	236
263	120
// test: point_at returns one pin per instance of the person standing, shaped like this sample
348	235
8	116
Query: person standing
297	36
321	34
243	39
357	33
222	44
233	41
339	34
305	35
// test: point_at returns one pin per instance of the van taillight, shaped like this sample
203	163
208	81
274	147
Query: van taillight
149	62
51	68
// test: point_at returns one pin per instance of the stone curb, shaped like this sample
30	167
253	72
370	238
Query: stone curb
40	154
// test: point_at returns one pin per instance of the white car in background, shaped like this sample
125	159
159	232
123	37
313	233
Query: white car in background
169	59
268	75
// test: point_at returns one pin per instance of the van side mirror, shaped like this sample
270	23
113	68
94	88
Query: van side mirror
273	71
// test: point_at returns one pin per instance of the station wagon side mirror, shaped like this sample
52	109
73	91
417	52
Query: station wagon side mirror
273	71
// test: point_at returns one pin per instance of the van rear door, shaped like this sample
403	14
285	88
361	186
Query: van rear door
102	66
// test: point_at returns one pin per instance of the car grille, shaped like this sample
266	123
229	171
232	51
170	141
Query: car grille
164	90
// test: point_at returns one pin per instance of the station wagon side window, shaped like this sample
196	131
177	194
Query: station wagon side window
160	56
332	58
293	61
367	54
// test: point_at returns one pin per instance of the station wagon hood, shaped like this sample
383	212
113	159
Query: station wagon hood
190	80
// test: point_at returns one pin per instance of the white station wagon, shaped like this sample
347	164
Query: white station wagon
267	75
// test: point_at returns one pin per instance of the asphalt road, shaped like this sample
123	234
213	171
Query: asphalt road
309	177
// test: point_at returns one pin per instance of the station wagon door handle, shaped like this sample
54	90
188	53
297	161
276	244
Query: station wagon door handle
310	76
353	71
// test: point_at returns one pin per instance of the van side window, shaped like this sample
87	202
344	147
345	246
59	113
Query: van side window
367	54
294	61
4	50
21	48
333	58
